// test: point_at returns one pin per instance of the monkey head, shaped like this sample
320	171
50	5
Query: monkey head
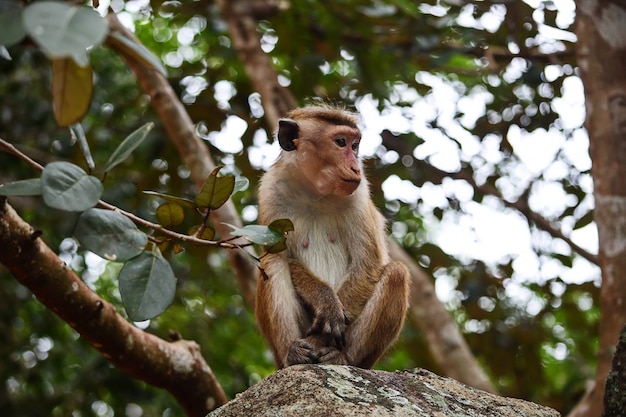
323	144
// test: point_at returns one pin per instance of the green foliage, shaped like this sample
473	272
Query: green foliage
215	191
170	214
397	52
66	186
183	202
147	282
71	90
62	30
272	237
110	235
147	285
11	21
22	188
78	135
128	146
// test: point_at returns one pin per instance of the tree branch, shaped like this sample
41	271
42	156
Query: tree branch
177	367
603	72
447	345
242	26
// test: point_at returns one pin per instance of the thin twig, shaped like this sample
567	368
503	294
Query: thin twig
226	244
12	149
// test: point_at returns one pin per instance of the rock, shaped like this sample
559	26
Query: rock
332	390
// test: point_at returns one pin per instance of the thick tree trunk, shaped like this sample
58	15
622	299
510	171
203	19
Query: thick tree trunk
615	397
601	55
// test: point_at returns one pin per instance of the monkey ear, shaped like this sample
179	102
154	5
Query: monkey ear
287	131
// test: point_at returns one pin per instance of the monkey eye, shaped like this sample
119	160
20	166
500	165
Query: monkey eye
355	145
340	141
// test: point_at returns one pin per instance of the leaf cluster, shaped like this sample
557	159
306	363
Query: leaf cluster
64	32
146	281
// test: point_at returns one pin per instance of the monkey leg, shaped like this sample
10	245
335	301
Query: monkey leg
381	320
280	315
300	316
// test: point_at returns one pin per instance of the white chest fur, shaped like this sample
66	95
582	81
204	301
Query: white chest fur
321	247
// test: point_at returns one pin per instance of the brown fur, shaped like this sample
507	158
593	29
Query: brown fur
333	296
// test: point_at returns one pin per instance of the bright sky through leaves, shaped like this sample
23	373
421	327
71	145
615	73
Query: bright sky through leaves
486	231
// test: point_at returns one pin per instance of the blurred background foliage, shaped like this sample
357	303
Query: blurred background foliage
530	320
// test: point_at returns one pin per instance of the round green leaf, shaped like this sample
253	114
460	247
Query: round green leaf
147	286
215	191
110	235
261	235
24	187
170	214
66	186
11	23
62	30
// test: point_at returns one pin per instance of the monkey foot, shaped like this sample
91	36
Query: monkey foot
301	352
332	356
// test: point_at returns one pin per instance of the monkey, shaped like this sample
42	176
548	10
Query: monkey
333	296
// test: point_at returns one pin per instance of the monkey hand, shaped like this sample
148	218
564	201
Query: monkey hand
330	320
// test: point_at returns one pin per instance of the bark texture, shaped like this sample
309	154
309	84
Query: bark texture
177	366
332	390
601	55
615	395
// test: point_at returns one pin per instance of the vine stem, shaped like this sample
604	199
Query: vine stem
12	149
227	244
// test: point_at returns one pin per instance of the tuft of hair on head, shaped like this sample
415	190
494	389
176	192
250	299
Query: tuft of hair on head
331	114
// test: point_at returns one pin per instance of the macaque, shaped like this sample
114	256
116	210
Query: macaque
333	297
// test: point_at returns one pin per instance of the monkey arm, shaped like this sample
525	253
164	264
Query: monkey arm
329	317
368	262
356	290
